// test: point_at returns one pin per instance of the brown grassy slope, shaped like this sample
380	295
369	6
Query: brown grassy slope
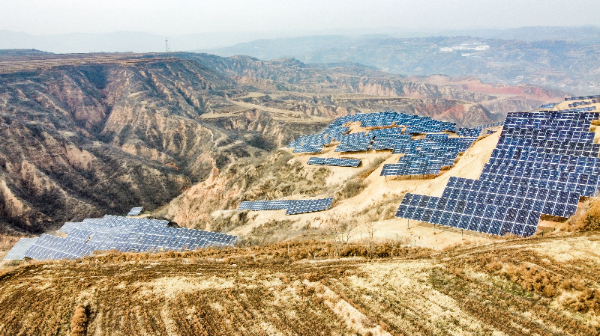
302	289
271	177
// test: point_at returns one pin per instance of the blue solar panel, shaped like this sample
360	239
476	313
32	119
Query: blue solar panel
123	234
543	163
293	207
341	162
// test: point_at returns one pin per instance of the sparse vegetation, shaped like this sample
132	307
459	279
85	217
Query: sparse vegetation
79	321
309	288
588	216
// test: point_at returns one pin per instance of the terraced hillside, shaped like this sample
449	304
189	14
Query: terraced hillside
542	286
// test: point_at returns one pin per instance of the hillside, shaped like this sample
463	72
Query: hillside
542	286
192	136
85	135
365	202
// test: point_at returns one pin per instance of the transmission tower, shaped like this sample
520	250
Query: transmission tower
167	45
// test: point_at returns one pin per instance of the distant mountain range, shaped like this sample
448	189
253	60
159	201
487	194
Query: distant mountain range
572	66
563	58
128	41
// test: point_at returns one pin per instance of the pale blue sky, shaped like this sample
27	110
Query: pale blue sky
176	17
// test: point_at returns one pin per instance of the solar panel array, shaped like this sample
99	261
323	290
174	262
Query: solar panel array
293	207
18	251
583	103
122	234
135	211
482	127
579	109
355	142
386	132
582	98
543	163
334	162
336	131
548	106
390	141
468	132
427	156
422	157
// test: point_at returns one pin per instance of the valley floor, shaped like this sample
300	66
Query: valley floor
542	286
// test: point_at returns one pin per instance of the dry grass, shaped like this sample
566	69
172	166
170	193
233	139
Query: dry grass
309	288
588	216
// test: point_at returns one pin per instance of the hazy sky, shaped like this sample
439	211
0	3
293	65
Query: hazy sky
175	17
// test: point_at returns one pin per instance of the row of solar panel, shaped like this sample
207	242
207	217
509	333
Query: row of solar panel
402	170
554	172
517	222
92	235
582	98
108	223
265	205
577	149
469	132
389	142
578	110
554	206
50	247
518	187
136	211
531	164
558	124
547	143
526	154
551	115
583	103
578	136
293	207
496	124
341	162
585	189
395	131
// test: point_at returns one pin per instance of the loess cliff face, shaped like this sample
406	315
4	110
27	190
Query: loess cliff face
86	135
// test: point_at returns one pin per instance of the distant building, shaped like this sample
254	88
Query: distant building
476	46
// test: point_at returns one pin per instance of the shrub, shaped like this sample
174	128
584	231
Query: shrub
79	322
350	189
589	220
585	302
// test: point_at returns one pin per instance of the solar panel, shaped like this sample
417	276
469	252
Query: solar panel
135	211
306	206
340	162
18	251
293	207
